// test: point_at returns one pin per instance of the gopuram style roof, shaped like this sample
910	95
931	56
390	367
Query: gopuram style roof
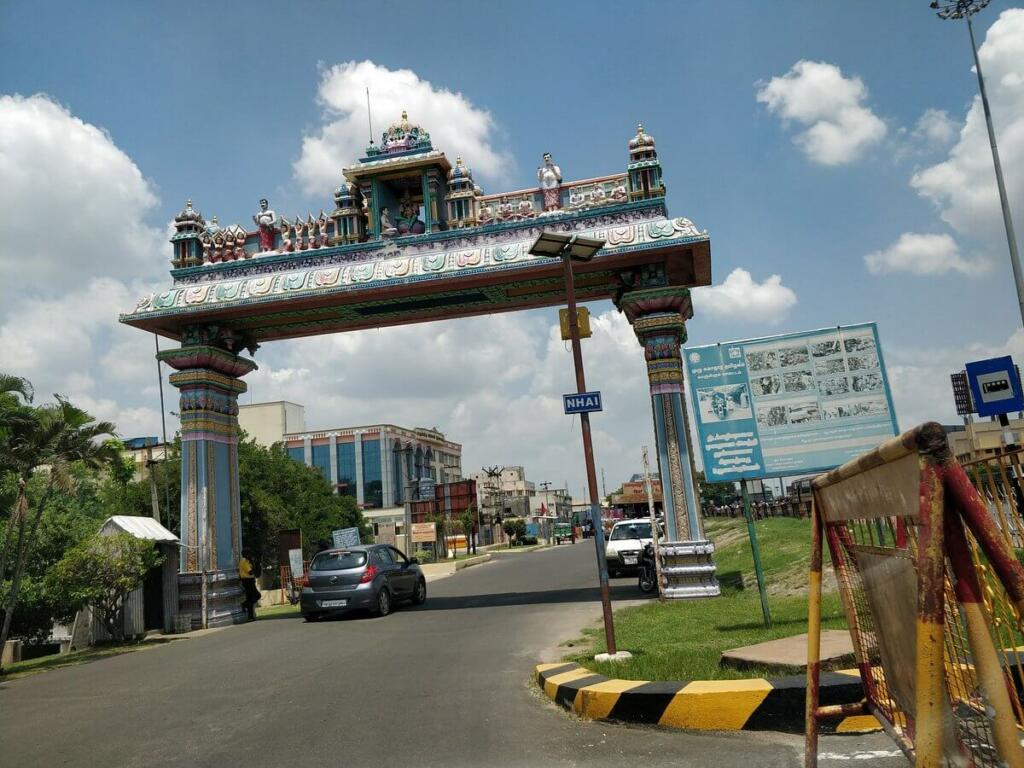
413	238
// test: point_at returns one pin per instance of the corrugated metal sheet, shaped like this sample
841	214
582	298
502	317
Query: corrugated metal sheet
139	527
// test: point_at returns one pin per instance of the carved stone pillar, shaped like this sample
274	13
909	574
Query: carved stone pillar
658	316
209	379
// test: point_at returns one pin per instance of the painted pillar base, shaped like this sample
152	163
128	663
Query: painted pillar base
224	596
688	569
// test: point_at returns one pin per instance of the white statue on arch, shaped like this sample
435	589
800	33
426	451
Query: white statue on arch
549	176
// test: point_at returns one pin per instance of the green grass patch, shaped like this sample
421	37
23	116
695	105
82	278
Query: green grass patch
684	639
272	611
58	661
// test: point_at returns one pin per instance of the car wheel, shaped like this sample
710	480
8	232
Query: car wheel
419	595
383	602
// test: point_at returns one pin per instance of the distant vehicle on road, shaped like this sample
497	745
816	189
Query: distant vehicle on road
564	532
372	577
625	543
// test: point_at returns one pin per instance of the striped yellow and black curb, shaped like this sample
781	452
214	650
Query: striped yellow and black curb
708	705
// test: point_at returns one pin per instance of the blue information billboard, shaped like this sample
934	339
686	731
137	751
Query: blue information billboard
790	404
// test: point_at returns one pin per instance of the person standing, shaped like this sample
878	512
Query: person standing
252	596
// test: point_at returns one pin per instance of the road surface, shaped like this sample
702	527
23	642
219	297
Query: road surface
447	684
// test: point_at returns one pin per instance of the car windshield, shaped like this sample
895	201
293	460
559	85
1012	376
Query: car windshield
632	531
337	561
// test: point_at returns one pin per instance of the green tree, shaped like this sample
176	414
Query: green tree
100	572
715	493
278	493
52	436
467	521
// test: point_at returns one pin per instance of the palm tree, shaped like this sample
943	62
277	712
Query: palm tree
48	438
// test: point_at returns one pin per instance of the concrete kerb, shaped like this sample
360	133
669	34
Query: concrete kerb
756	704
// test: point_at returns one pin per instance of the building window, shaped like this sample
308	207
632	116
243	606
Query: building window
373	494
399	476
347	469
297	453
322	461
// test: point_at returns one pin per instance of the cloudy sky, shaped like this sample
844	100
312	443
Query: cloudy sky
836	152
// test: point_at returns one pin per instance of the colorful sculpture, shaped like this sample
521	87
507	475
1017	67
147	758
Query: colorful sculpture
549	176
266	220
409	222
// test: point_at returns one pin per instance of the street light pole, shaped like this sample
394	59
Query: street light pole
964	9
567	248
588	456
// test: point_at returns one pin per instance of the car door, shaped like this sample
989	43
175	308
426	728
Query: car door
392	576
404	572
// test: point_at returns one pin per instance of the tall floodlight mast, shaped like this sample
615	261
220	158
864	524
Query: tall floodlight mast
964	9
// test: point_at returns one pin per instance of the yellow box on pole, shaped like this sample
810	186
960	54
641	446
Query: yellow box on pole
582	322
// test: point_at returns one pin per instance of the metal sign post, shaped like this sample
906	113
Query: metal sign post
654	524
756	548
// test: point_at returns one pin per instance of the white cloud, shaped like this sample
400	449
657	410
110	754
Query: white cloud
838	128
454	123
493	383
935	128
740	297
963	186
74	207
924	254
73	203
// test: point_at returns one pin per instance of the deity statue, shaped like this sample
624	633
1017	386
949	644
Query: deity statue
286	242
266	220
598	196
549	176
504	209
525	209
619	193
409	222
485	215
385	224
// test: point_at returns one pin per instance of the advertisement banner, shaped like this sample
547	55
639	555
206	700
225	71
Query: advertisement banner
424	532
791	404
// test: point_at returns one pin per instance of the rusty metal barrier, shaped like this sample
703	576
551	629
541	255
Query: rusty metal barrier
909	535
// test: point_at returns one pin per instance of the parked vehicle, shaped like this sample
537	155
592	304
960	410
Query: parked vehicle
626	540
373	577
564	532
648	580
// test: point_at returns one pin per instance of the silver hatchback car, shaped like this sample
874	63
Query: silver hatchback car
372	577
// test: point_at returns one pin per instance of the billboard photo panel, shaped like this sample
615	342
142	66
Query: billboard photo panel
789	404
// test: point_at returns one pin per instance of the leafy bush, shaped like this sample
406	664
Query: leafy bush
100	572
529	541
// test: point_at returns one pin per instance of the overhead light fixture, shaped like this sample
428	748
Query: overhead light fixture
555	245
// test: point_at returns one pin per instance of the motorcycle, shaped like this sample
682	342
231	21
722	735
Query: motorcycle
648	573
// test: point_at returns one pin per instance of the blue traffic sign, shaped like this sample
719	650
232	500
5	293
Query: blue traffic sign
995	386
582	402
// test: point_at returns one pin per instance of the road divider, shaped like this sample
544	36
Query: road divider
756	704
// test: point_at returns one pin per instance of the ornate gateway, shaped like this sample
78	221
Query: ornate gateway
412	238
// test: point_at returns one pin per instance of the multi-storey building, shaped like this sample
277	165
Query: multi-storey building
381	465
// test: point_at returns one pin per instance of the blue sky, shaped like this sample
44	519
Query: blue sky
212	101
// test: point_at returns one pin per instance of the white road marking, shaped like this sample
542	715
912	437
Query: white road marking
871	754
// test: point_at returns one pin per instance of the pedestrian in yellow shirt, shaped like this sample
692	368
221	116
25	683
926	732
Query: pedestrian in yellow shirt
252	595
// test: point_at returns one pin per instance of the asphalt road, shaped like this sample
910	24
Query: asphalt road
447	684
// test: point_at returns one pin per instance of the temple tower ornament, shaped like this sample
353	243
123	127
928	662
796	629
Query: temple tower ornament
644	168
189	229
658	317
208	374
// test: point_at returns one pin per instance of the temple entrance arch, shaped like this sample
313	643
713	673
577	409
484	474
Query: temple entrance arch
413	238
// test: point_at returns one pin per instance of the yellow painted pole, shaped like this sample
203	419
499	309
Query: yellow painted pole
929	671
813	644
